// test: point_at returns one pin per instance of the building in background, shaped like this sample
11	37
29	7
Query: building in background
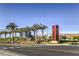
70	35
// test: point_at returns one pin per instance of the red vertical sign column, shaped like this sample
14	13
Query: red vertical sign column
54	32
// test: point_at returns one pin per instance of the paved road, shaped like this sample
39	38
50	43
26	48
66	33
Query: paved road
5	52
42	50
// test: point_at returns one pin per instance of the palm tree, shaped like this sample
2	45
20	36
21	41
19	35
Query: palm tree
12	27
42	27
0	33
0	36
36	28
33	29
28	31
15	31
5	32
21	30
10	34
18	30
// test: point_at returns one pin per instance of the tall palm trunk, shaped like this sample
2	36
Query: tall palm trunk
34	36
5	35
42	32
13	37
10	35
37	33
21	35
0	35
26	34
0	38
15	34
34	33
29	34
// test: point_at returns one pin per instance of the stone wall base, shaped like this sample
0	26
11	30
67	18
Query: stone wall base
54	41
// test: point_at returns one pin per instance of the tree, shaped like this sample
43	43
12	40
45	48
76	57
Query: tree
35	27
11	27
5	32
42	27
27	31
0	33
20	30
76	37
63	37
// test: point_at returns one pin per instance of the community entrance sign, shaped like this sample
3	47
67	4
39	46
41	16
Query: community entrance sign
55	32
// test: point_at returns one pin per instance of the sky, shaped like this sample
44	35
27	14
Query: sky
64	15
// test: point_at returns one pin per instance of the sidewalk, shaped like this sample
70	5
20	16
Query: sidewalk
37	45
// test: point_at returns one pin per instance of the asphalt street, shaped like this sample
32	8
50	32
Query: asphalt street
40	50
